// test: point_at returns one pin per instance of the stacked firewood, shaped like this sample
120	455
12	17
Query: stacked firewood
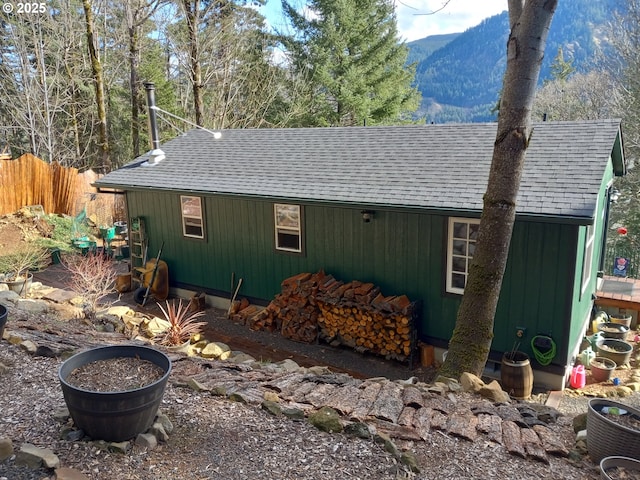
356	314
293	312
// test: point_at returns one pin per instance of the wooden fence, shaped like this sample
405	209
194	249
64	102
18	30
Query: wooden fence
29	180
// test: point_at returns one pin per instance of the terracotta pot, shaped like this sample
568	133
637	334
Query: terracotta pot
602	368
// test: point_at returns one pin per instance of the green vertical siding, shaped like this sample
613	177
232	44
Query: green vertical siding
402	252
582	301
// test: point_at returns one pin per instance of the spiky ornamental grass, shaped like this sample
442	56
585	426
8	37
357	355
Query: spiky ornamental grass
183	324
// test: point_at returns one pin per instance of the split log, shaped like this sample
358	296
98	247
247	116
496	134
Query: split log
422	422
286	382
411	396
406	416
365	402
512	440
388	404
552	444
318	396
396	431
463	426
344	399
490	425
301	392
438	420
533	446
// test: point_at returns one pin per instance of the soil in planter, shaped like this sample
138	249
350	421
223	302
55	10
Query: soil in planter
621	473
115	375
599	364
613	349
628	420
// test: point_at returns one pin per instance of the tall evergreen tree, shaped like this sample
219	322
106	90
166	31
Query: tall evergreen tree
355	62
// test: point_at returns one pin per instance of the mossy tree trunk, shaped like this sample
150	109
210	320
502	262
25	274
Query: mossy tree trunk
98	81
471	341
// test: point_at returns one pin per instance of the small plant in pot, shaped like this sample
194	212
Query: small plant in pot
16	267
182	324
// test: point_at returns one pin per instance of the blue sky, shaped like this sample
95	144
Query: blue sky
414	18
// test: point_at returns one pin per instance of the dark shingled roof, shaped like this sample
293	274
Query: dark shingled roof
436	167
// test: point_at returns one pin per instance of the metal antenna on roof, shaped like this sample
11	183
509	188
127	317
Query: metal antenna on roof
215	134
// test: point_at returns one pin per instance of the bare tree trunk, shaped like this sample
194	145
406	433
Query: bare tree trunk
137	13
471	341
134	64
192	10
96	68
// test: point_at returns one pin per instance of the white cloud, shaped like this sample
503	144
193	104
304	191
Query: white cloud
416	20
415	17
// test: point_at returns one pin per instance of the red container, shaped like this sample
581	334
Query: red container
578	377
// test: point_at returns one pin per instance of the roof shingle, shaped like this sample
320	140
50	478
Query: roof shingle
436	167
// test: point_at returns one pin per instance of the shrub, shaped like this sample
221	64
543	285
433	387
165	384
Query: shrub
93	277
182	324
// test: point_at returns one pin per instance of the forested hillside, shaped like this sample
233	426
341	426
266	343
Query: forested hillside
461	81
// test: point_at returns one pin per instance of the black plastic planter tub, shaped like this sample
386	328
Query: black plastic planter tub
114	416
4	313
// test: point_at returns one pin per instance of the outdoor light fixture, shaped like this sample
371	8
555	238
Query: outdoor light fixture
367	215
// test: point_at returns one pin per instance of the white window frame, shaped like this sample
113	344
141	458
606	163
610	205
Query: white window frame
281	227
587	261
191	220
466	256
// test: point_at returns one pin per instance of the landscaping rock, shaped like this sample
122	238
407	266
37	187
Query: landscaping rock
32	306
271	407
471	383
216	350
493	391
65	473
358	429
327	420
34	457
166	423
147	440
6	448
157	429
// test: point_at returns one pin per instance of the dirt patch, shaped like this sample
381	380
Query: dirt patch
14	234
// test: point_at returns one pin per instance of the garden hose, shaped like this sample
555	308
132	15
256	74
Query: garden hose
543	358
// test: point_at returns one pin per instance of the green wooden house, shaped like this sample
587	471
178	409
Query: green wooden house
397	206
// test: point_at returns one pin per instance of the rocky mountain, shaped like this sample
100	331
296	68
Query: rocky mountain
460	75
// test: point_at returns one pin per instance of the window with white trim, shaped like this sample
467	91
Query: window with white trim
288	227
192	218
461	245
587	261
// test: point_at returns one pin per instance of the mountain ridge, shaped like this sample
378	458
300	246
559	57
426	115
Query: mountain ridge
460	80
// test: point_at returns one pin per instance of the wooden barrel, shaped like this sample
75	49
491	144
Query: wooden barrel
516	374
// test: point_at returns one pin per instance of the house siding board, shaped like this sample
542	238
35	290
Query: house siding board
401	252
582	302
